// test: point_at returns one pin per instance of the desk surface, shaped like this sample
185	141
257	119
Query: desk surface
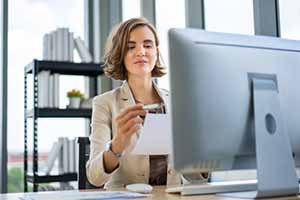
158	194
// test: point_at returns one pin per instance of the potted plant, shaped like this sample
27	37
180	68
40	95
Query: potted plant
75	97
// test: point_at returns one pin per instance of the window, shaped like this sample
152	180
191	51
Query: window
131	8
29	20
232	16
289	19
166	18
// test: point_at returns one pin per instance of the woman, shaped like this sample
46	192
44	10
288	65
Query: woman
132	55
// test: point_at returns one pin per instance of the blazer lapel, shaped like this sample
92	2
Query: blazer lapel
164	95
126	97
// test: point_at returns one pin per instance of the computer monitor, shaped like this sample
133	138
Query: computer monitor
235	102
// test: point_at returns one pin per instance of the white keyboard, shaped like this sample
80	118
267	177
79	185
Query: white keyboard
215	187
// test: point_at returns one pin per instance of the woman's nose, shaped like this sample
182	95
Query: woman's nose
141	51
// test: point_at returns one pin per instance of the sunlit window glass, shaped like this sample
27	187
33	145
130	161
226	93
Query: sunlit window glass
166	18
289	19
232	16
131	8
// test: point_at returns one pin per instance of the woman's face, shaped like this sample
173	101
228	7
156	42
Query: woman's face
141	56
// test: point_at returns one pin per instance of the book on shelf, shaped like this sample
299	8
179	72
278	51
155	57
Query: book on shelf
43	89
51	91
65	154
72	155
53	155
71	46
58	45
76	154
65	45
82	50
47	46
55	90
48	90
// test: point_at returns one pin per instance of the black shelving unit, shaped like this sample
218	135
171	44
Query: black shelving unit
56	112
66	68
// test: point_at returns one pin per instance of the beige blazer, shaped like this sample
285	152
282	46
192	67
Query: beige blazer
132	168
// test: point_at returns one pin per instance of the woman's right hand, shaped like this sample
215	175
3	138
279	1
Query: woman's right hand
128	122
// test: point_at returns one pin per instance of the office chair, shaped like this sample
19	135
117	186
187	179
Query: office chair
84	152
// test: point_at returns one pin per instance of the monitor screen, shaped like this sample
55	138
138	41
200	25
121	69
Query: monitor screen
212	97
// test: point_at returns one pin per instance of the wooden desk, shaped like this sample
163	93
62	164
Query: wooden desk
158	194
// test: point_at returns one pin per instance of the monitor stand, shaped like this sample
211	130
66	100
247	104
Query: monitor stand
276	173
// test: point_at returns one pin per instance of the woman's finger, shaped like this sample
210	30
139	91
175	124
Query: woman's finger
129	109
129	124
130	115
133	130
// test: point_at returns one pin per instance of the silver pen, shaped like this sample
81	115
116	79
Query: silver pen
151	106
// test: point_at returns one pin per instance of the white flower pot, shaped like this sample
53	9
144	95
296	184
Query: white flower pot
74	102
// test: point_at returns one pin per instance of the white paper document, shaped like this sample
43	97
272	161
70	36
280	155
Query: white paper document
78	195
155	137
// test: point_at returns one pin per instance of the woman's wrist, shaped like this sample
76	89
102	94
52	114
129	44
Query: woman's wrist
116	147
110	163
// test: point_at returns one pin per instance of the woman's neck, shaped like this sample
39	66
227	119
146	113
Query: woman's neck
143	90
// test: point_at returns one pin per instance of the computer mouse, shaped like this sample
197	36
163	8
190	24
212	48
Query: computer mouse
139	187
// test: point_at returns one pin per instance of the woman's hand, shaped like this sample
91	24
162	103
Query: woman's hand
128	122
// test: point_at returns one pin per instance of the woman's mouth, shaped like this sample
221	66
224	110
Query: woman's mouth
140	62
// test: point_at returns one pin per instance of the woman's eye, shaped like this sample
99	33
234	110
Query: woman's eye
148	46
130	47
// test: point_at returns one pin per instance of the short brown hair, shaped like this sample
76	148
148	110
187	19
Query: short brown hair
116	49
